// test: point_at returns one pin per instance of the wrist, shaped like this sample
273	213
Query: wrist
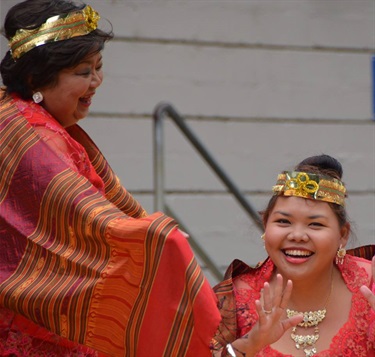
231	351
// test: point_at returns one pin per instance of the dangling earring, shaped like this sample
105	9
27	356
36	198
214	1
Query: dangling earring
340	255
37	97
263	236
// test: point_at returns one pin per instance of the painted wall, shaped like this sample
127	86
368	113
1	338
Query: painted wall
262	83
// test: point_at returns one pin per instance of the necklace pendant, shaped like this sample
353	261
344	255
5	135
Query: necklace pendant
310	352
306	342
310	318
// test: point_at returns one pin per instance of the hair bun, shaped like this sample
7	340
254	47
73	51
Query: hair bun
323	164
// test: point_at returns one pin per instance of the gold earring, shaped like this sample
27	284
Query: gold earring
263	236
340	255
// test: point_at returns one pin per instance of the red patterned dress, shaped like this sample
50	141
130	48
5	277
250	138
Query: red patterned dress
356	338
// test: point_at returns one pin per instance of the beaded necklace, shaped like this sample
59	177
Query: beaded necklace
310	319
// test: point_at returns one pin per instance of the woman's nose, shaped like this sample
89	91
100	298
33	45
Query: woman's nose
96	80
298	234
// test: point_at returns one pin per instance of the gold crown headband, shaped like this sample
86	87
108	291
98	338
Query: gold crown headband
313	186
56	28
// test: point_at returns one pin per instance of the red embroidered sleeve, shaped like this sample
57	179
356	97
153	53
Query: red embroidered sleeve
245	297
356	337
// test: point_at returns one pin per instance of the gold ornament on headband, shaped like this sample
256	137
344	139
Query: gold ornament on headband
308	185
56	28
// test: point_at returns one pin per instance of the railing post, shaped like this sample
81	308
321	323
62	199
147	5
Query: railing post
160	112
159	203
210	160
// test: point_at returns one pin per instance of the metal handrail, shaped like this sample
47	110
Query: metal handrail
161	111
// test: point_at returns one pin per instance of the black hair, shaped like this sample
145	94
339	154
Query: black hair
40	66
322	165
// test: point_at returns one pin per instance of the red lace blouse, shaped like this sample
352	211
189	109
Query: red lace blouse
356	338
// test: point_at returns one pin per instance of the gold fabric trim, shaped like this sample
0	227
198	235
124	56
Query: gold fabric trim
56	28
307	185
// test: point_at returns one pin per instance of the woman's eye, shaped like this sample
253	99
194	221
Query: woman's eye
317	224
283	221
85	73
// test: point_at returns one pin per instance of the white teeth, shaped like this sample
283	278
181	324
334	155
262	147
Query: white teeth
298	253
85	99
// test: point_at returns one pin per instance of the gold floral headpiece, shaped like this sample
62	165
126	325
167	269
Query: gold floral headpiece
56	28
308	185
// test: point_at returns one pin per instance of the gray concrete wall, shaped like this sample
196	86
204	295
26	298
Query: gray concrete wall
264	83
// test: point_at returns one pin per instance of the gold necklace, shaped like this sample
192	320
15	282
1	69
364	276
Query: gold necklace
310	319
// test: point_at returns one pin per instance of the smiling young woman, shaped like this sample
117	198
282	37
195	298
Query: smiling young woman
306	232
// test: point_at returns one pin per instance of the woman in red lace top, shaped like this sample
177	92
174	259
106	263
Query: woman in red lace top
306	232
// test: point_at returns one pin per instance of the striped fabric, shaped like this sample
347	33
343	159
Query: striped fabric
89	264
365	251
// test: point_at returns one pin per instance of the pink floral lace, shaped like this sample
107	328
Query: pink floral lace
356	338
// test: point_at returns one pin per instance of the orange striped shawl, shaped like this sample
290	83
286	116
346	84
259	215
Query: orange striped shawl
88	266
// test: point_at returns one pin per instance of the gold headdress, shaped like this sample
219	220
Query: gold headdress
56	28
308	185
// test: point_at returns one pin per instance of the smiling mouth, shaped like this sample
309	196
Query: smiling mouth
85	100
296	253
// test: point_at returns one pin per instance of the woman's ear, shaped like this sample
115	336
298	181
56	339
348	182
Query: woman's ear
30	85
345	231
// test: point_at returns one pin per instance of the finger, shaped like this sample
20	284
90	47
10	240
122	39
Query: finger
267	300
373	267
367	293
260	311
291	322
286	295
183	233
278	292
